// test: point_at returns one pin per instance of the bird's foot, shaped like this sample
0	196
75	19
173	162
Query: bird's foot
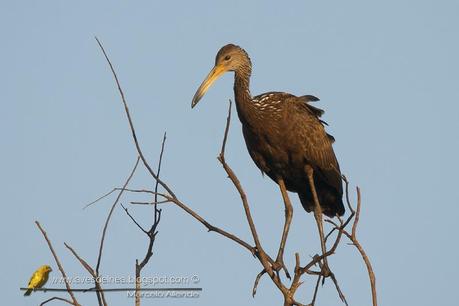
325	270
280	265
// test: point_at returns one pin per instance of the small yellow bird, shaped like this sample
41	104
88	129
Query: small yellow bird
38	279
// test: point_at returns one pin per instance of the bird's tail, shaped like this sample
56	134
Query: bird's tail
28	292
331	204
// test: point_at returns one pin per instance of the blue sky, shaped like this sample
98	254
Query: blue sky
387	74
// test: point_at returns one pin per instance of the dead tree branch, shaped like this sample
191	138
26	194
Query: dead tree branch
56	298
101	246
151	233
67	285
100	294
131	124
362	252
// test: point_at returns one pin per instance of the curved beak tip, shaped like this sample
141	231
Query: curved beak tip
195	100
193	103
211	77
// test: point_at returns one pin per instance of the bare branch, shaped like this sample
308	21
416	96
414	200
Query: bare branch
149	203
236	182
67	285
134	220
56	298
338	289
81	260
99	292
362	252
100	198
316	290
131	124
225	135
158	171
151	234
110	214
101	246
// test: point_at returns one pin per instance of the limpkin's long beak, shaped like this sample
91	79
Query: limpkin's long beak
214	74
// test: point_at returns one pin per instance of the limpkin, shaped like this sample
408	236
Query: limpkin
284	136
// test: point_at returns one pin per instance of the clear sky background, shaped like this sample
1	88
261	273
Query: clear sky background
387	74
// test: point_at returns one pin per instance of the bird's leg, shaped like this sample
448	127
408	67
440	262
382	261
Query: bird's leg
318	216
279	263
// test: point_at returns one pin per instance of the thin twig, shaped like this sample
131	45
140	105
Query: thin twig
356	243
134	191
131	124
104	231
133	219
100	198
316	290
101	246
81	260
99	257
158	171
58	299
338	289
149	203
99	292
212	228
152	232
67	285
225	135
236	182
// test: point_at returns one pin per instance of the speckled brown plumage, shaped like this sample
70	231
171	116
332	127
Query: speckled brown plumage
283	134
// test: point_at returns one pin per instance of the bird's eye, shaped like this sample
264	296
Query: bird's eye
227	58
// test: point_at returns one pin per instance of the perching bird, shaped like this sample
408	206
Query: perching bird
38	279
283	134
285	138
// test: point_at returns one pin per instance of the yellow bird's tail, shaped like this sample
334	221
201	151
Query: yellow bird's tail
28	292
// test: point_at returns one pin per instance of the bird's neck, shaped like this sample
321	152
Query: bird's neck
241	87
242	94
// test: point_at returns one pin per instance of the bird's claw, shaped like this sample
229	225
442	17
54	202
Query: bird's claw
278	265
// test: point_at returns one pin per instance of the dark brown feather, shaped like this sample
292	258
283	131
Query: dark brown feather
284	133
287	134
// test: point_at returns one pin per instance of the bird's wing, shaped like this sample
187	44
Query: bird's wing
313	141
307	99
44	280
318	112
34	279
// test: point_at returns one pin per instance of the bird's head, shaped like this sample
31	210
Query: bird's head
229	58
45	269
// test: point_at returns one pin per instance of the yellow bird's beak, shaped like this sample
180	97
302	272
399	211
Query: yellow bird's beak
214	74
